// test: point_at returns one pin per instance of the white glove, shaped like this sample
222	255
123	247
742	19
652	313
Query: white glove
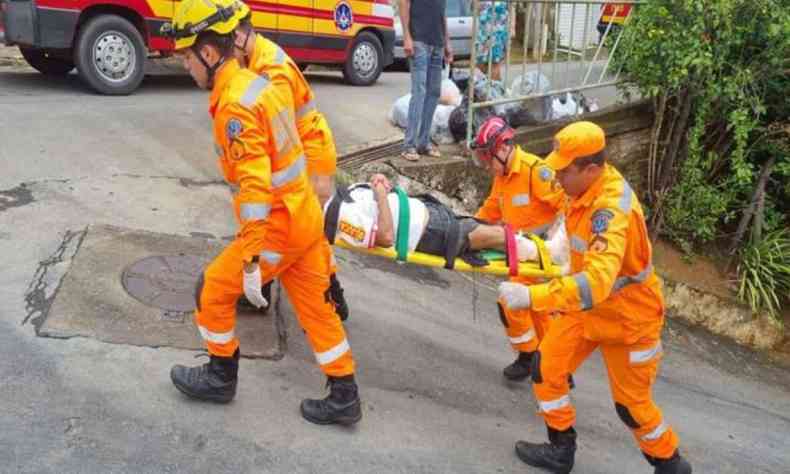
559	245
252	288
515	295
526	249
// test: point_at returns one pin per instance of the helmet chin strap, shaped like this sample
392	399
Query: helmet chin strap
210	70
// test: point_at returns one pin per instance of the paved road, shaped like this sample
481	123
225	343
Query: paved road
429	364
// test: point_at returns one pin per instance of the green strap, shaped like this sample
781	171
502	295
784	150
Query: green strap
402	239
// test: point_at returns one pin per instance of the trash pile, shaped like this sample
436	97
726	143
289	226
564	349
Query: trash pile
450	120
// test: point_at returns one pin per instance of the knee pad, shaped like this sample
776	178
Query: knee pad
199	289
625	415
537	377
502	316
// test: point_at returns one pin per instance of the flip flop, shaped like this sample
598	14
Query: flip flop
410	155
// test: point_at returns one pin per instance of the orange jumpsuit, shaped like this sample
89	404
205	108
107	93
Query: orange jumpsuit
612	301
528	198
319	145
281	220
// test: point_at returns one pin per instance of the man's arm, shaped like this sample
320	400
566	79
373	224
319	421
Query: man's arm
385	236
408	43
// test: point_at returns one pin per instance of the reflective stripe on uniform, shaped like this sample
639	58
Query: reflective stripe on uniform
561	402
520	199
640	277
656	433
216	337
285	132
283	177
625	199
526	337
643	356
305	109
333	354
254	212
272	258
578	244
254	90
585	291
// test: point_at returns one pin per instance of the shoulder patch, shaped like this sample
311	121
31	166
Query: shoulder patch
233	129
600	220
545	174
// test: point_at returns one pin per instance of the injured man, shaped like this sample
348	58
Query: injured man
367	215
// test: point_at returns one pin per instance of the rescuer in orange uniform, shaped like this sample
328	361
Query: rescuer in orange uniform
525	196
281	230
612	301
262	56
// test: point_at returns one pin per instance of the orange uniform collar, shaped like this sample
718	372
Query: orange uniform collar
221	78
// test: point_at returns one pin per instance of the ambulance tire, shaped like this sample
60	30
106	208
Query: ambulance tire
367	52
100	34
45	63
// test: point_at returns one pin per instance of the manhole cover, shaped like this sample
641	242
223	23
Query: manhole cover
165	281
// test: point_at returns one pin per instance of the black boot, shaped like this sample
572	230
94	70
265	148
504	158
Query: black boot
556	455
676	464
520	369
336	292
214	381
342	406
266	291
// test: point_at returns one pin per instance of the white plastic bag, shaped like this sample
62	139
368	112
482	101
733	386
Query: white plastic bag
564	107
399	114
451	95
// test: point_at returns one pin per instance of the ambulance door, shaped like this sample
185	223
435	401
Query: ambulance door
295	26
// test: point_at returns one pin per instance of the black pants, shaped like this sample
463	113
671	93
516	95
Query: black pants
436	236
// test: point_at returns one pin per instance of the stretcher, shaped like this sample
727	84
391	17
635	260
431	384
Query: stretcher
497	262
487	261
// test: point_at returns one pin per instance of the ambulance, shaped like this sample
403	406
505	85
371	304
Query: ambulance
108	41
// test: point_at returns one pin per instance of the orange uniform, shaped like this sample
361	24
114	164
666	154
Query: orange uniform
612	301
528	198
317	140
280	218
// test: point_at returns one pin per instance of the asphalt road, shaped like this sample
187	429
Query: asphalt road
429	346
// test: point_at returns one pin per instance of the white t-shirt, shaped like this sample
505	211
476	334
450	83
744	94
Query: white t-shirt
357	221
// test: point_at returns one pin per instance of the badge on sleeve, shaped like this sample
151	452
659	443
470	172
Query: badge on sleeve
600	220
233	129
545	174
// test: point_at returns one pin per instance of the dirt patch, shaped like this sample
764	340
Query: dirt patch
699	272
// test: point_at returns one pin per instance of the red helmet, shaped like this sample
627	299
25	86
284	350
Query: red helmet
491	135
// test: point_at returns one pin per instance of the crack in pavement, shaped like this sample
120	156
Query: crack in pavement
37	301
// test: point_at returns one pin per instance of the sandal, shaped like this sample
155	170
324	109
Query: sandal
410	155
431	151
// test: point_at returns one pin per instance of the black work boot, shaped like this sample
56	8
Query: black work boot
676	464
520	369
336	292
342	406
214	381
556	455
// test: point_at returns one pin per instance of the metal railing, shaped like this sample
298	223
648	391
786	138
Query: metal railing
570	51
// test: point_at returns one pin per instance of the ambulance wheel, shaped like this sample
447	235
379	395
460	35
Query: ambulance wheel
110	55
46	64
365	60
